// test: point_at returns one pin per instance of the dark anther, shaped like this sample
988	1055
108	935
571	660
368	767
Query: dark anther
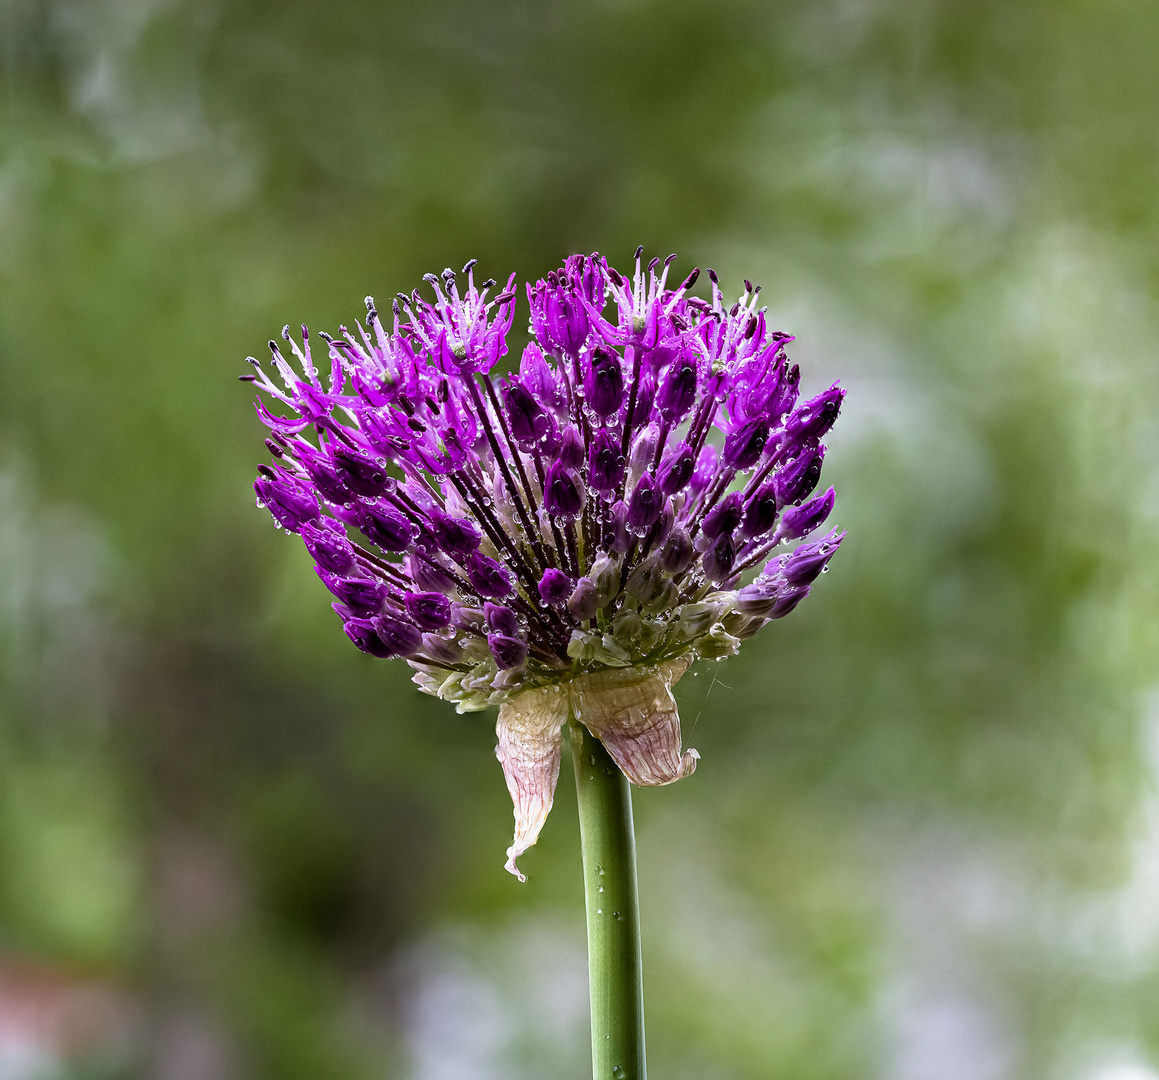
691	279
640	252
488	284
470	265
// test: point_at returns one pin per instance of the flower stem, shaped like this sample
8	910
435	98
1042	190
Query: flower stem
615	973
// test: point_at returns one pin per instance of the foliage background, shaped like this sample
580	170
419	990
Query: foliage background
923	843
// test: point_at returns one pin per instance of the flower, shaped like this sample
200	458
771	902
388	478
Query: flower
568	537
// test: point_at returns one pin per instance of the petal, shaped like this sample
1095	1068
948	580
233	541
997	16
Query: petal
530	741
632	712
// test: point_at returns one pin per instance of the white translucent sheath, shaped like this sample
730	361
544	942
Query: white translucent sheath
630	710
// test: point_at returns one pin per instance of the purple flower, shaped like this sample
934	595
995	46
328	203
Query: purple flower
581	528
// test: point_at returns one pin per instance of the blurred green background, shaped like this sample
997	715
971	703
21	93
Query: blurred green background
923	841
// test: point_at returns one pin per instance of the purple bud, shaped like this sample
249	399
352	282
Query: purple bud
706	465
326	480
329	547
785	395
440	650
677	390
555	587
465	617
429	575
509	652
799	521
430	610
399	637
718	560
571	449
645	505
488	578
605	462
360	473
676	469
788	599
757	598
645	397
643	449
604	383
525	417
812	419
616	536
536	376
724	517
678	552
500	619
744	446
584	602
289	501
562	494
361	595
796	479
761	512
386	527
364	635
456	536
810	560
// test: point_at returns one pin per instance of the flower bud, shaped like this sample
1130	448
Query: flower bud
743	448
364	635
501	619
583	603
327	543
676	469
570	454
508	652
554	587
796	479
290	502
488	578
386	527
428	575
799	521
678	552
718	559
399	637
724	518
760	513
361	595
456	536
525	417
604	383
605	462
677	390
645	504
562	492
429	610
360	473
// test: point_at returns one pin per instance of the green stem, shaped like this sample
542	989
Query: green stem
615	972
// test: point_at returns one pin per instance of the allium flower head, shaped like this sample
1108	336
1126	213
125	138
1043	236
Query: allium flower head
566	537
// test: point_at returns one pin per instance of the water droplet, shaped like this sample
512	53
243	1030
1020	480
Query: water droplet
825	569
599	870
616	915
619	1072
599	911
592	759
259	504
290	532
599	888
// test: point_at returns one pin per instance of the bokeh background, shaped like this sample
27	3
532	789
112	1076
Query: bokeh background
923	842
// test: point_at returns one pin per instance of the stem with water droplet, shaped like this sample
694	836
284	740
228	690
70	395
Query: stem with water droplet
615	973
